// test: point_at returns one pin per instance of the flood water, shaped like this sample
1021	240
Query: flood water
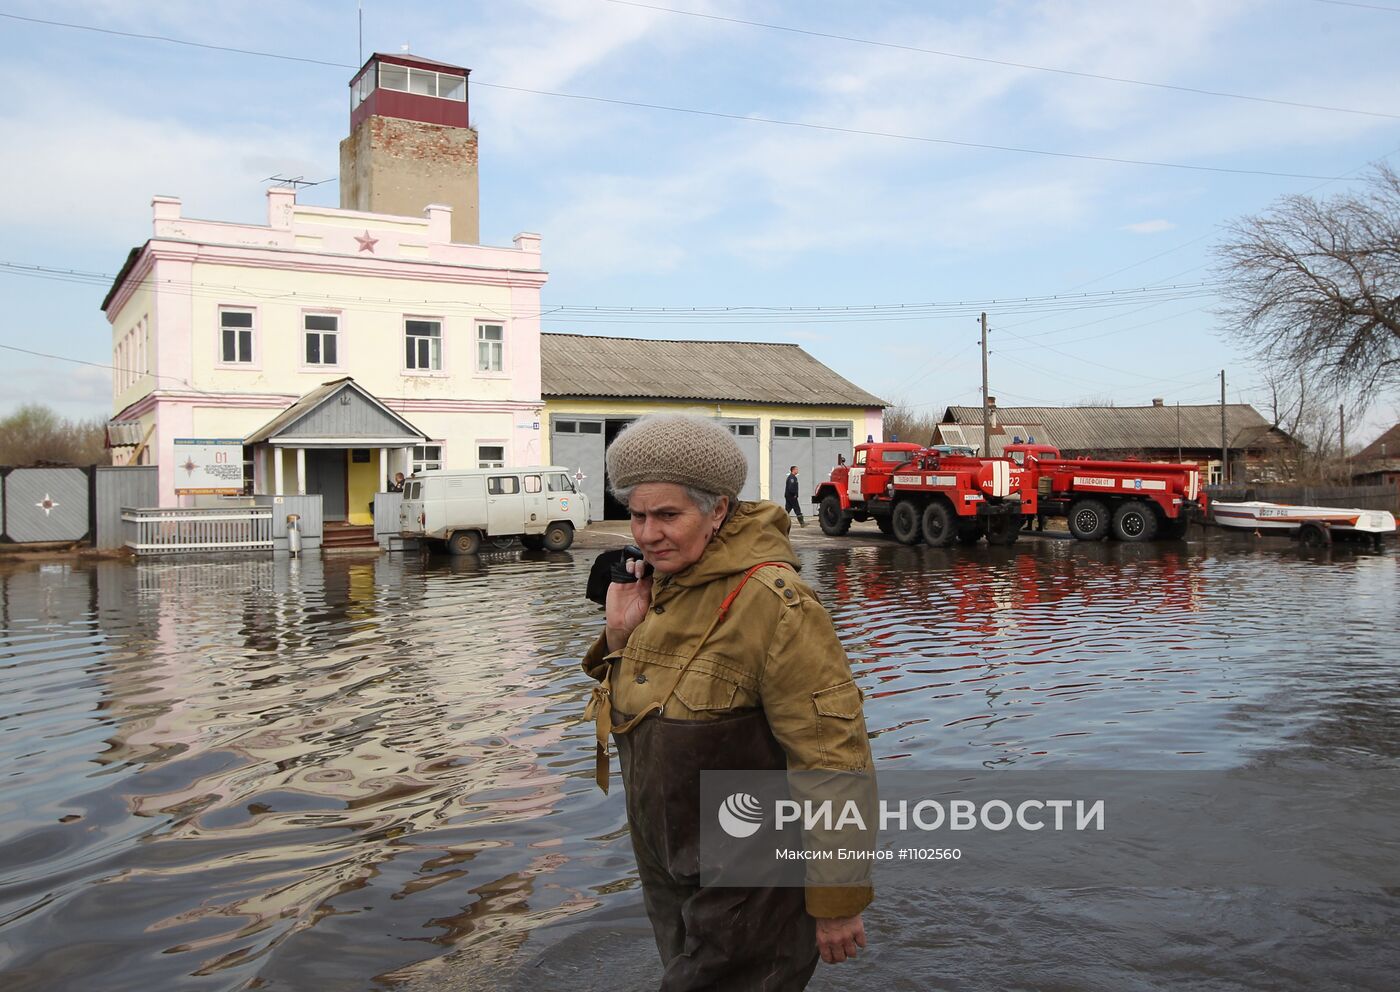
360	773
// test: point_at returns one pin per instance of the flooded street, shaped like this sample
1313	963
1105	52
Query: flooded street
353	773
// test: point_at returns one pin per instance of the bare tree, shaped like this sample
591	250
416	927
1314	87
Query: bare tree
34	434
1314	285
908	423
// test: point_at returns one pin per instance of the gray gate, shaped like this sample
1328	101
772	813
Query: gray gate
577	444
811	445
119	486
46	504
746	433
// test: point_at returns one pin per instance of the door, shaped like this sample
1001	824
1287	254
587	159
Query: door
577	444
746	433
812	446
534	504
505	510
326	475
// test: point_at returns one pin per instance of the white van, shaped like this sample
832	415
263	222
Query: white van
538	504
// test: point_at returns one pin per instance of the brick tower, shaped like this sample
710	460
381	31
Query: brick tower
411	142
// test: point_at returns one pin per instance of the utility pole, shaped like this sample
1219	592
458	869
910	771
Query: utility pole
1224	445
986	410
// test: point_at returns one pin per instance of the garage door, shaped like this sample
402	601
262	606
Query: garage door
746	433
812	446
577	444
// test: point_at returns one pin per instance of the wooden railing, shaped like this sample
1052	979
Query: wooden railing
167	531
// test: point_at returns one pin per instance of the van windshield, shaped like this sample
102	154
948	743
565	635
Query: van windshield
560	483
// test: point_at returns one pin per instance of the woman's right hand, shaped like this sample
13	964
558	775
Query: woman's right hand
627	606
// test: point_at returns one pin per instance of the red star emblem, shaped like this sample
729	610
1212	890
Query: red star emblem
367	243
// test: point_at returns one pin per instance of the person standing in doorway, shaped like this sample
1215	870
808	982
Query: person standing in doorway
791	492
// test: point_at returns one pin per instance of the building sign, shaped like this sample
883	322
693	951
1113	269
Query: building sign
208	467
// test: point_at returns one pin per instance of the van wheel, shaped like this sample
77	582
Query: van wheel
533	542
558	536
905	520
464	542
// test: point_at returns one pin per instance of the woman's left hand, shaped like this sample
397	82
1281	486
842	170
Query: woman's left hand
839	938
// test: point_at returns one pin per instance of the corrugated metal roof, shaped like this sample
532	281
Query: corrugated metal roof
1129	428
586	365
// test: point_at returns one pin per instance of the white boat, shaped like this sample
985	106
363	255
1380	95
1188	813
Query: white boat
1281	517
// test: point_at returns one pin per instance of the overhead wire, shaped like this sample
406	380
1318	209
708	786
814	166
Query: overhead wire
721	115
987	60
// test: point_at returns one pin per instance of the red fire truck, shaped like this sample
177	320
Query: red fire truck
917	493
1128	500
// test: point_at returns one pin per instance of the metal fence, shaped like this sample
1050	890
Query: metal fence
46	504
166	531
1382	497
117	487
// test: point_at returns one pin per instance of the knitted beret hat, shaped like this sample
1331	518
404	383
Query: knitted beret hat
673	447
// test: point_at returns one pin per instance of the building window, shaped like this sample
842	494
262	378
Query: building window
422	344
490	456
566	427
840	432
424	82
427	457
590	427
743	430
321	331
236	337
490	340
248	473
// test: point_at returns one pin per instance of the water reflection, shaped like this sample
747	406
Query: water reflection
315	772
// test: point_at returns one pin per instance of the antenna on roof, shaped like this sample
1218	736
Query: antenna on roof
296	182
404	48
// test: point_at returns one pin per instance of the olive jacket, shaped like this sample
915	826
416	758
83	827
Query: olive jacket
776	650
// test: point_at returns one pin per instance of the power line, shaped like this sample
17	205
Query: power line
1014	65
1363	6
896	136
720	115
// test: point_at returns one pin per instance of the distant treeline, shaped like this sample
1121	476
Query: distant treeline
36	435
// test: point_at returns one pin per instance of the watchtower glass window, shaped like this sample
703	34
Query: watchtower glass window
424	82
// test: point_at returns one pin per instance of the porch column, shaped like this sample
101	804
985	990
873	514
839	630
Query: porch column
406	454
277	488
383	469
301	471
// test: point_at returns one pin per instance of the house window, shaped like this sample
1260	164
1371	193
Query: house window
236	336
422	344
248	472
490	340
427	457
490	456
321	330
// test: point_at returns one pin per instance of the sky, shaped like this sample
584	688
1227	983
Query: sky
908	191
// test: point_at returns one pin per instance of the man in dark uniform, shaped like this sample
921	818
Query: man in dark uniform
791	492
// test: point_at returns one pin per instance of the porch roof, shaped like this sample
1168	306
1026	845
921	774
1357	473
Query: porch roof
338	413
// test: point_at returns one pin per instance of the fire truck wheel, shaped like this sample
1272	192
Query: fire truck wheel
905	521
464	542
1134	521
969	532
939	527
558	536
1088	520
834	522
1003	530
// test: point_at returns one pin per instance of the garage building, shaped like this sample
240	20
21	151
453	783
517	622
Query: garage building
784	407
